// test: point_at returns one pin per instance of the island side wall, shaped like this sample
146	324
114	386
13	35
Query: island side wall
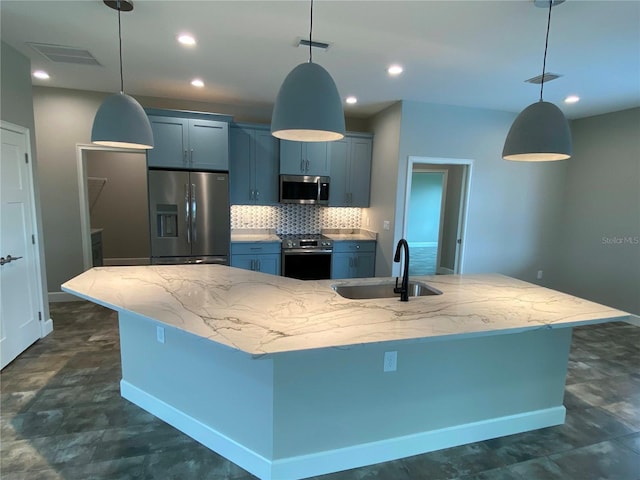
336	409
219	396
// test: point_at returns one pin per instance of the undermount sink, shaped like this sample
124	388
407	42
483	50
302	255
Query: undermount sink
385	290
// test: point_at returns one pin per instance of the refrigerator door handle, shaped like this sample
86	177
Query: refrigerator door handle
186	211
194	225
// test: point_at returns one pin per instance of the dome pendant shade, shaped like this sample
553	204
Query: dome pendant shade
308	107
540	133
121	122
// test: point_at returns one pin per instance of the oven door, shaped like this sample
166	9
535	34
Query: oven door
306	264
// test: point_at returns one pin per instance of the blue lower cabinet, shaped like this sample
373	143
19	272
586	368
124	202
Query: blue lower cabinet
257	256
353	259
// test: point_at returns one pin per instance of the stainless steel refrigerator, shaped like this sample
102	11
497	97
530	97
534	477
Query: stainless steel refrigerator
189	217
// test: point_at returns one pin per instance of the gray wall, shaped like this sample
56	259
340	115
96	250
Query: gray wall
384	171
513	215
599	255
17	108
120	206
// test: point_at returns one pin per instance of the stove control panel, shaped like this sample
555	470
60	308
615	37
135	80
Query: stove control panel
307	243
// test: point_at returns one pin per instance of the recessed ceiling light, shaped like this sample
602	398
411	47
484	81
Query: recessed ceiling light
41	74
572	99
394	70
186	39
351	99
196	82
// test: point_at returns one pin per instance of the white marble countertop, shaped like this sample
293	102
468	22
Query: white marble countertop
266	314
346	235
341	237
254	235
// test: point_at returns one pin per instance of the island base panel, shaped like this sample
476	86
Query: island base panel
300	414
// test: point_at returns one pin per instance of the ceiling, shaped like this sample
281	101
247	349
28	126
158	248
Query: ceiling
467	53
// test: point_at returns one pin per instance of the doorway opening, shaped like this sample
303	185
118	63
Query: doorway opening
435	215
113	206
427	202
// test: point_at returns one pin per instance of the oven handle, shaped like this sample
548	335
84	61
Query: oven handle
298	251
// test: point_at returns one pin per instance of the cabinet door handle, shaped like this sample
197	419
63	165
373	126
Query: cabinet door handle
253	264
184	157
259	265
257	194
302	165
251	195
307	167
191	158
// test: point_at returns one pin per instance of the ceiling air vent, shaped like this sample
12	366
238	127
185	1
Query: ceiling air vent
547	77
62	54
301	42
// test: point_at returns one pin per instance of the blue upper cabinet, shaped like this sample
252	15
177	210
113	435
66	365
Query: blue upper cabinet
350	171
253	165
199	143
208	145
171	137
304	158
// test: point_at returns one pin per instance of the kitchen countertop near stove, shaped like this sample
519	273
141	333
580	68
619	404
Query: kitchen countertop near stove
266	314
349	234
254	235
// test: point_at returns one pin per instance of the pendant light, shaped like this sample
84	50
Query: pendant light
541	132
120	120
308	107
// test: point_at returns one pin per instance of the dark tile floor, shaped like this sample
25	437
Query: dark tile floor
61	417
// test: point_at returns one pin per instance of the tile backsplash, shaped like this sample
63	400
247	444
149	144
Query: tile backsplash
288	219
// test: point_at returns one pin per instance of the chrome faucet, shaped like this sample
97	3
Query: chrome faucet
404	288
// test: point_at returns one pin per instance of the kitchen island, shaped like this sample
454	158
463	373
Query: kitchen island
286	378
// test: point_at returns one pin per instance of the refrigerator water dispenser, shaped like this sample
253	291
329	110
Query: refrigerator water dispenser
167	220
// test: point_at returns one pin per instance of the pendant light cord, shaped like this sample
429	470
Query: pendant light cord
546	44
310	31
120	48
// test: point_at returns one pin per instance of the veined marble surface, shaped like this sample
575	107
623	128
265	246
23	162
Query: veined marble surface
254	235
341	234
266	314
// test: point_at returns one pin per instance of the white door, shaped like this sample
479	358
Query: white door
19	303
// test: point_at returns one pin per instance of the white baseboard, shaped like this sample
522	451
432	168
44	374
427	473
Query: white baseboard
394	448
634	320
46	328
320	463
55	297
206	435
117	262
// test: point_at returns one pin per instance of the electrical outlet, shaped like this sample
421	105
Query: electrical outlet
160	334
540	274
386	225
390	361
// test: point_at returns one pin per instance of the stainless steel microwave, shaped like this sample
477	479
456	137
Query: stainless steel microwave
306	189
